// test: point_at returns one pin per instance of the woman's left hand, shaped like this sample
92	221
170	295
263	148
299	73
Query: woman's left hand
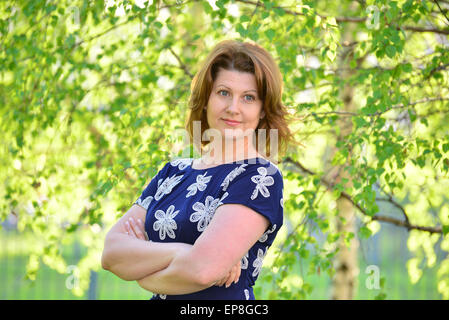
136	229
233	276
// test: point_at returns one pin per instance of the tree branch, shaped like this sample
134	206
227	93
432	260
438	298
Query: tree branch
441	10
404	224
348	197
181	64
352	19
397	106
439	68
394	203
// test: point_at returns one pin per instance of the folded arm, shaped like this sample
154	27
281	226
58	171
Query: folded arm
131	258
220	247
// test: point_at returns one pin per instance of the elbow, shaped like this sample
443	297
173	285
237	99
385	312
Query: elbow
193	270
107	254
104	261
207	277
204	280
110	259
109	263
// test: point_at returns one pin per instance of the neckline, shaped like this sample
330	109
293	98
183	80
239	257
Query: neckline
243	161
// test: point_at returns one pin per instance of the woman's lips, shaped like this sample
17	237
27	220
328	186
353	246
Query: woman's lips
231	123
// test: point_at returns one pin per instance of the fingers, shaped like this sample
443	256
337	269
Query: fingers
129	230
239	272
136	229
222	281
234	275
230	278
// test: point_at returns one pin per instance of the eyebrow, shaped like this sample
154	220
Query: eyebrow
231	89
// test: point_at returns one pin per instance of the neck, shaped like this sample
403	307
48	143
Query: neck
229	150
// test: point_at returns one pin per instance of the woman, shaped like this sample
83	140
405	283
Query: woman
211	220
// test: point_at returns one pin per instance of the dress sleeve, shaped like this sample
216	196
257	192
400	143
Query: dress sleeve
148	193
259	188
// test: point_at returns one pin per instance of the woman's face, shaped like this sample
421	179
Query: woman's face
234	97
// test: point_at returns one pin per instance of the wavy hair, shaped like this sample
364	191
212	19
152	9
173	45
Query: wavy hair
244	57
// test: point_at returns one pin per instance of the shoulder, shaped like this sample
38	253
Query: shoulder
180	163
272	168
175	164
249	173
265	167
170	167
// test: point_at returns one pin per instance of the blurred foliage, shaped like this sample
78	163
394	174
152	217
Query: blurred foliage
90	92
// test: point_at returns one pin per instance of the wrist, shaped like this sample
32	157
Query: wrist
179	248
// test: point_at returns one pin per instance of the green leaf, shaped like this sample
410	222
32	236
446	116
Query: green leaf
391	51
241	29
446	147
365	232
72	228
407	67
244	18
303	253
445	229
279	11
207	7
270	33
380	296
268	4
353	64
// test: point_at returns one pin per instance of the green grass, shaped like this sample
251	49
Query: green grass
397	285
49	284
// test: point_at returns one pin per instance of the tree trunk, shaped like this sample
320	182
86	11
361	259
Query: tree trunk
344	282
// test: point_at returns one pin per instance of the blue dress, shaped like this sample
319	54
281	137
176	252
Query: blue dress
181	201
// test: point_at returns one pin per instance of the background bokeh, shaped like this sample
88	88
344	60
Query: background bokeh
93	92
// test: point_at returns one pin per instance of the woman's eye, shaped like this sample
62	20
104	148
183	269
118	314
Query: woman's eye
250	99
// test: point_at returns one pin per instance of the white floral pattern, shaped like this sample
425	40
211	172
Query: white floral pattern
165	223
181	163
244	261
162	296
231	176
166	186
262	181
258	262
145	203
265	235
204	212
183	201
201	183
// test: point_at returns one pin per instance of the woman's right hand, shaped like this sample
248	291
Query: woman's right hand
233	276
136	229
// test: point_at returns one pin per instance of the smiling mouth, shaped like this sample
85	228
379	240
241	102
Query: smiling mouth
230	121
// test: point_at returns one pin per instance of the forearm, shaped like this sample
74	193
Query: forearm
131	259
180	277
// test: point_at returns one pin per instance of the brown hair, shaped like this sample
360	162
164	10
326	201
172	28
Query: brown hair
243	57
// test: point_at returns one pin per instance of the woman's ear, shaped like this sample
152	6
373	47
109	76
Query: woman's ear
262	114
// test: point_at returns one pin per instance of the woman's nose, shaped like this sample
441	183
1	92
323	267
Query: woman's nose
233	105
